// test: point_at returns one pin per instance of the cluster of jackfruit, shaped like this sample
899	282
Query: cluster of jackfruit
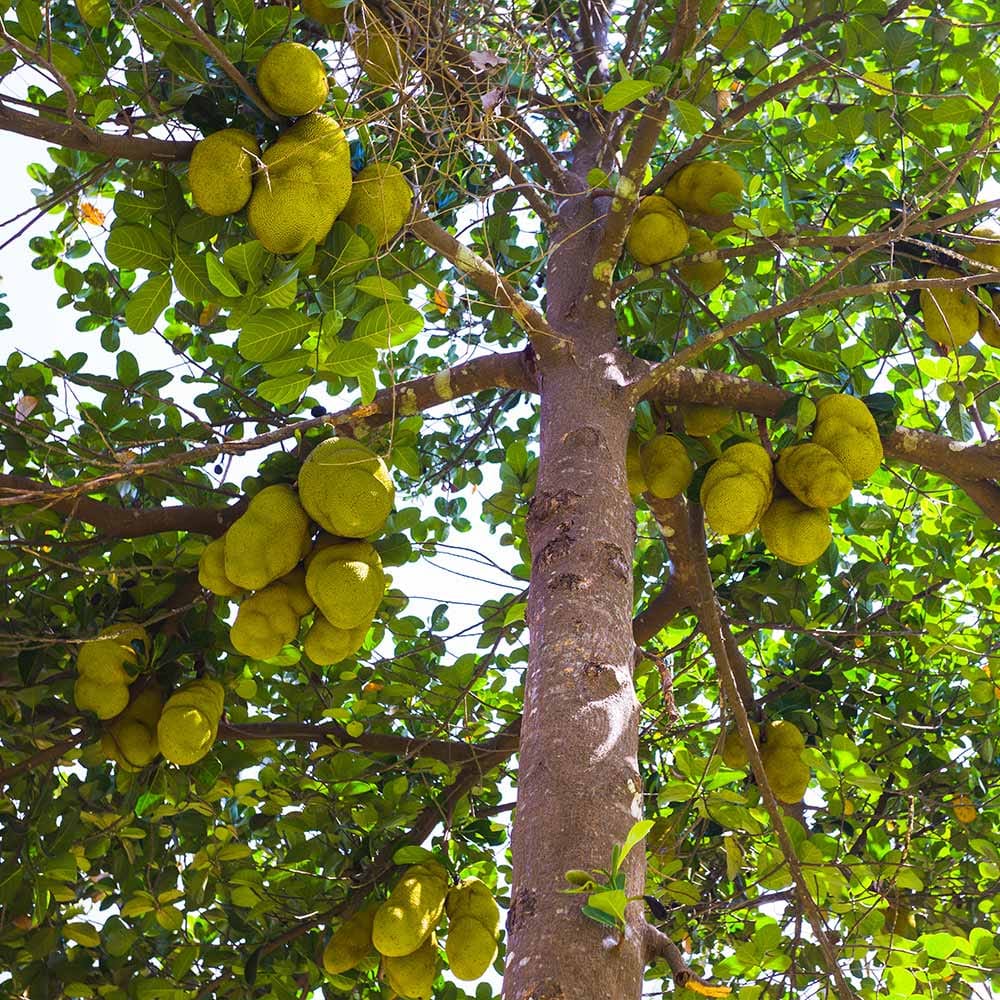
781	752
402	930
660	233
107	666
269	551
301	184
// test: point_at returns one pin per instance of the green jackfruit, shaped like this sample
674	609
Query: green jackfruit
657	233
268	540
292	79
303	186
705	275
845	427
269	619
102	687
813	475
189	721
325	644
737	489
412	976
988	328
950	314
472	898
406	919
787	774
220	174
781	733
130	740
346	488
701	420
473	923
378	51
351	942
900	921
212	570
380	201
986	253
633	466
666	467
794	532
694	186
318	11
654	204
734	753
346	582
94	13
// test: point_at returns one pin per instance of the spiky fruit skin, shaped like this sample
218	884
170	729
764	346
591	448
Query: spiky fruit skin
346	488
633	466
950	315
303	186
846	428
325	644
102	687
212	570
406	919
292	79
412	976
734	754
346	582
130	740
704	275
781	733
694	186
268	539
737	489
318	11
471	949
104	700
94	13
350	943
189	721
657	233
986	253
267	620
794	532
701	420
813	475
380	201
666	467
220	174
378	52
989	330
787	774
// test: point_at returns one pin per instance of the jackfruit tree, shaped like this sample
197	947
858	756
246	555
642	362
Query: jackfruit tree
500	500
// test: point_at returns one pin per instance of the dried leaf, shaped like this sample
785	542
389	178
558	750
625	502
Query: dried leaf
92	214
442	300
24	408
485	61
697	986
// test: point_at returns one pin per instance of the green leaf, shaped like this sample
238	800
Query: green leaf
191	277
285	389
134	247
413	855
599	916
688	117
389	324
611	902
380	288
148	301
348	358
84	934
901	982
29	19
247	260
624	93
271	333
186	61
635	835
219	275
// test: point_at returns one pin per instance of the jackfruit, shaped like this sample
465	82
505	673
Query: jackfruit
845	427
412	911
473	923
292	79
963	809
189	721
737	489
378	51
269	619
346	488
94	13
351	942
701	420
303	185
268	539
988	328
130	740
694	186
412	976
781	733
900	921
472	898
666	467
657	233
986	253
787	774
633	466
318	11
380	200
950	314
325	644
813	475
346	581
212	570
220	173
794	532
704	275
734	754
102	687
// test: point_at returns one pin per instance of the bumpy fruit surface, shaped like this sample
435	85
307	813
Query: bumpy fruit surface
701	420
704	275
737	489
102	687
845	427
473	923
694	186
781	733
220	174
950	314
346	488
130	740
986	253
189	721
318	11
794	532
657	233
813	475
378	52
303	187
404	921
380	201
325	644
212	570
989	330
787	773
666	467
346	582
268	540
269	619
633	466
350	943
292	79
734	754
412	976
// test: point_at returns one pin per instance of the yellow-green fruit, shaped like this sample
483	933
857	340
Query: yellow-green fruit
268	540
655	236
104	659
666	467
470	947
404	921
472	898
701	420
303	186
794	532
704	275
266	621
203	693
845	427
346	488
130	739
814	475
190	721
780	733
412	976
104	699
900	921
787	773
325	644
318	11
737	489
986	253
220	174
734	753
633	466
292	79
351	942
212	570
95	13
346	582
989	330
378	52
694	186
654	203
950	314
380	201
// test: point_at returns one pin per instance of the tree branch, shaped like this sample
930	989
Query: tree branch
45	756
